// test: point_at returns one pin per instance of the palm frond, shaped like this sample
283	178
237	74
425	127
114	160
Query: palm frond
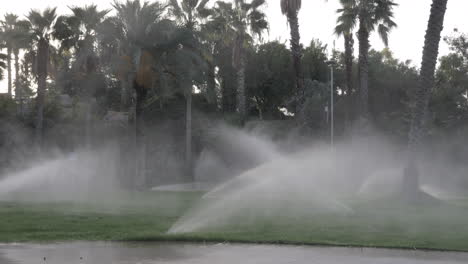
176	10
290	6
383	31
258	22
41	23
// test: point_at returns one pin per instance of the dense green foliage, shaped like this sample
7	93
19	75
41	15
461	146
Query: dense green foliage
144	58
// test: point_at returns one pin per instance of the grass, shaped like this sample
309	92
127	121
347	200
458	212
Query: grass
130	216
147	217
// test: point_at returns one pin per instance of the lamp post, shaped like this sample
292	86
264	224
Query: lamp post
331	64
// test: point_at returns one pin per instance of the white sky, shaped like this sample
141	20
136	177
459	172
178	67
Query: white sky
317	20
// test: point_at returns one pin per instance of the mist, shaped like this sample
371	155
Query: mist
248	175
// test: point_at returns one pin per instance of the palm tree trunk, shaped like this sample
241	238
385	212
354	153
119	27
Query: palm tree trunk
297	55
349	43
363	35
423	92
141	94
9	51
43	55
188	134
228	93
238	62
88	121
134	158
241	96
18	89
134	114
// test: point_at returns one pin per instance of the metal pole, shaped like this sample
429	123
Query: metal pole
332	117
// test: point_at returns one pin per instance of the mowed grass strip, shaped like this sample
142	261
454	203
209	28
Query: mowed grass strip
148	216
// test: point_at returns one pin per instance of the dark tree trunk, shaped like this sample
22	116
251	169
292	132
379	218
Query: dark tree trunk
228	98
296	50
42	58
363	35
18	89
423	92
141	95
88	121
132	149
188	135
349	50
239	65
9	51
241	93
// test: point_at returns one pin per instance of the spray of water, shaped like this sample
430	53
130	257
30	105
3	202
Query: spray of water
69	177
255	177
311	182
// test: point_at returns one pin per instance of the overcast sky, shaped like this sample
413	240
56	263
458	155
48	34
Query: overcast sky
317	20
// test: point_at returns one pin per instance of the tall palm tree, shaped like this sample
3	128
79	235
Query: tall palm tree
42	24
135	21
135	24
191	14
21	41
423	92
291	8
8	25
368	15
343	30
247	21
78	35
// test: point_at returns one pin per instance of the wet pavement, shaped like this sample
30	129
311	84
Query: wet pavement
173	253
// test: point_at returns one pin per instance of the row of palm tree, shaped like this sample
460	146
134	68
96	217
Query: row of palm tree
245	21
77	33
367	16
136	42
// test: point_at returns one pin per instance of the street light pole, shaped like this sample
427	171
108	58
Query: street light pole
332	63
332	109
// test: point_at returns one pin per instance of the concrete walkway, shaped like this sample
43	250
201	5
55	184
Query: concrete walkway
174	253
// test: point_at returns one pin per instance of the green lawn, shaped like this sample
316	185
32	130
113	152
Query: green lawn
147	217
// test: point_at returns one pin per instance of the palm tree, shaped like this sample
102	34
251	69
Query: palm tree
21	41
77	34
291	8
190	13
423	92
247	21
135	21
370	15
41	31
135	24
8	25
343	30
